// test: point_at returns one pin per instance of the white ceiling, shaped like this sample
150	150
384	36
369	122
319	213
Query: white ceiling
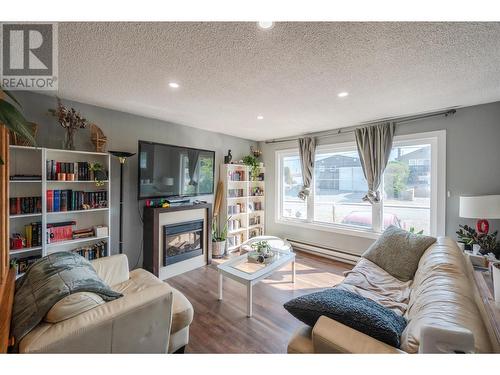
229	73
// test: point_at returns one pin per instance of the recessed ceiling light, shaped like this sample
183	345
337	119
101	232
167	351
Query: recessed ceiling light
174	85
260	117
265	24
342	94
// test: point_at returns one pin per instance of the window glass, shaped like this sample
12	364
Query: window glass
407	188
339	186
291	174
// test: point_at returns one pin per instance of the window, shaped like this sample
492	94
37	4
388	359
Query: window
339	186
292	206
412	190
407	187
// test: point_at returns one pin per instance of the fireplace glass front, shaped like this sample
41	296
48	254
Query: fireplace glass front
182	241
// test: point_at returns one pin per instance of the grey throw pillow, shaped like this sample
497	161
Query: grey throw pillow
398	252
360	313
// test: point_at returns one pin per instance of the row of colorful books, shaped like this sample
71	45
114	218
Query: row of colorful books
70	200
92	252
25	205
79	171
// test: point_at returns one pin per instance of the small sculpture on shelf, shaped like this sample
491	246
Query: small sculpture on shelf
71	120
228	157
98	138
255	151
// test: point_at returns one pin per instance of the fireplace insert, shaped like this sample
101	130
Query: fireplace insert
182	241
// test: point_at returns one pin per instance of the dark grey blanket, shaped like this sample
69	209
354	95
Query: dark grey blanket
46	282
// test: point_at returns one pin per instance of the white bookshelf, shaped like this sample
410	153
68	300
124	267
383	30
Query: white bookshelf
32	161
245	210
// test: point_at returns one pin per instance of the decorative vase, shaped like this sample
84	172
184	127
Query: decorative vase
475	249
69	139
218	249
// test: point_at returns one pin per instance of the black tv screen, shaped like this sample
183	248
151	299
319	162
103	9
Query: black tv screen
174	171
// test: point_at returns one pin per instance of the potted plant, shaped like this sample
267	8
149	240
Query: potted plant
262	252
98	172
467	235
253	163
12	119
71	120
219	238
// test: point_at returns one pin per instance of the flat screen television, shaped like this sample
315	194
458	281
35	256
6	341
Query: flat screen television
167	171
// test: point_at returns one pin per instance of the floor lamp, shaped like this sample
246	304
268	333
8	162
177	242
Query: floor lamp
122	157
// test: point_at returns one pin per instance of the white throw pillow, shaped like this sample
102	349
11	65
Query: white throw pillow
73	305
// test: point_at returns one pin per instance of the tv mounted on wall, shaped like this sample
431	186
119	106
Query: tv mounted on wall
168	171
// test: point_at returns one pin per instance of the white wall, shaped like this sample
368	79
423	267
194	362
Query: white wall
472	167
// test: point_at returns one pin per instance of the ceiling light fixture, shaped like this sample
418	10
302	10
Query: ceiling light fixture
265	24
342	94
260	117
174	85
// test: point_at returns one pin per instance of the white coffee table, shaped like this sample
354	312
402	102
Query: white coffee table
249	274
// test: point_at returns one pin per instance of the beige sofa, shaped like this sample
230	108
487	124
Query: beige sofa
151	317
440	295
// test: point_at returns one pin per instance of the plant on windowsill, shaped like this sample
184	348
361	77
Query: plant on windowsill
414	231
219	238
253	163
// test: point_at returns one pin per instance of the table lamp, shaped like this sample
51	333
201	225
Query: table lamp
481	207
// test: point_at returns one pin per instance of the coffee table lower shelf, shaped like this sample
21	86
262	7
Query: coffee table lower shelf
228	269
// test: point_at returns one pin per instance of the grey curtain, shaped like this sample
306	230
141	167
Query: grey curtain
193	156
307	149
374	147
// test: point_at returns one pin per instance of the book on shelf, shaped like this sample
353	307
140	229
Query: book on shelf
83	233
79	171
91	252
24	263
32	237
25	177
25	205
61	231
72	200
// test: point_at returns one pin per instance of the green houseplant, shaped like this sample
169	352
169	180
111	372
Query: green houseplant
219	238
12	118
99	173
262	252
253	163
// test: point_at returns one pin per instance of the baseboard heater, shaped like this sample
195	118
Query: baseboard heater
324	251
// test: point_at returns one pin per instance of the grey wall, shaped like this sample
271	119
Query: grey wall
123	130
472	167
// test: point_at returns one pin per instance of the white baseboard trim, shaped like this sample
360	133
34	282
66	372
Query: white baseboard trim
324	251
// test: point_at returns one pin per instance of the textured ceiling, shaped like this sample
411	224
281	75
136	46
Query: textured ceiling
291	74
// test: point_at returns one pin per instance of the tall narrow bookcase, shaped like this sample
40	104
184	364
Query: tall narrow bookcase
242	203
32	161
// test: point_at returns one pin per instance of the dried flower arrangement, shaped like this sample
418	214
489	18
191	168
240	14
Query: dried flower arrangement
71	120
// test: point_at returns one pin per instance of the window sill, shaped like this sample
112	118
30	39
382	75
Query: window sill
340	229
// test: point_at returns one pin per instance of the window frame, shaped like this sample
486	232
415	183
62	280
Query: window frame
437	141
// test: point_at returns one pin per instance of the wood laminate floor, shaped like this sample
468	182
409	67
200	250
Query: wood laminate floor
222	326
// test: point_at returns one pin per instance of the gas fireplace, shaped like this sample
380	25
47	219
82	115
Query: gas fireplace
182	241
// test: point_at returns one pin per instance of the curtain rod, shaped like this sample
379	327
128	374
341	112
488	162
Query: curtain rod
351	129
